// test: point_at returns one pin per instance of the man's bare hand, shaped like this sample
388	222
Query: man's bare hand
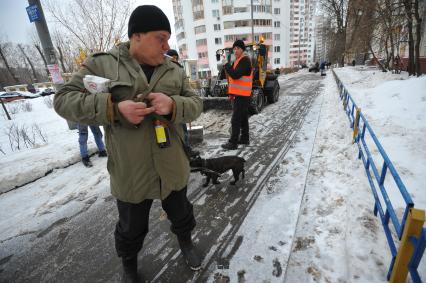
162	103
134	112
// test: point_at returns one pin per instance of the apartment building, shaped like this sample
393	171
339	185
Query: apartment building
322	26
302	32
204	26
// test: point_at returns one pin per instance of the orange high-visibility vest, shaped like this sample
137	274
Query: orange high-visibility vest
241	86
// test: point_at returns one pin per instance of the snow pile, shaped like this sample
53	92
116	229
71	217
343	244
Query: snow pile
396	110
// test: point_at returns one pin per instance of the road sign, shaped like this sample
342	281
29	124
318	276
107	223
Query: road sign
33	13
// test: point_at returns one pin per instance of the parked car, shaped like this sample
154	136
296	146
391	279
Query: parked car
15	95
46	91
8	96
314	68
27	94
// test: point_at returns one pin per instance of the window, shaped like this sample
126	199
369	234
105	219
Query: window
215	13
277	49
262	22
216	27
215	1
202	55
200	42
277	36
276	11
277	24
218	40
200	29
180	36
198	9
277	61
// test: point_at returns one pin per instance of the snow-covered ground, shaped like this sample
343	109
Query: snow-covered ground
313	220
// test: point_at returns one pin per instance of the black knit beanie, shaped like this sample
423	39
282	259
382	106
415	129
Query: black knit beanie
239	43
147	18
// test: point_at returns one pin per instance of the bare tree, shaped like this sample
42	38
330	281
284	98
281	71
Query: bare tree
418	36
3	55
29	62
337	11
93	24
408	5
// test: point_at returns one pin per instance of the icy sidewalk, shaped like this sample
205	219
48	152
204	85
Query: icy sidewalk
338	239
317	225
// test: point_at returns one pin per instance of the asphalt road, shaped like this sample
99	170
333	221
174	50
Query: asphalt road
81	248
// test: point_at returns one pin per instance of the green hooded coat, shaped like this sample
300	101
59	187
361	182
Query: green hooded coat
139	168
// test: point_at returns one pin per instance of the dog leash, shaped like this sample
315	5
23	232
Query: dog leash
203	169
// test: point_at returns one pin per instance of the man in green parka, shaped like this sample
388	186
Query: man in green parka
142	112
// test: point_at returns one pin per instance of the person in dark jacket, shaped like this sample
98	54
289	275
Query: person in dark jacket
240	81
322	68
192	153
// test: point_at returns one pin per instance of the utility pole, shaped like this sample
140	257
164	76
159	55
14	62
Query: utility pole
298	53
36	15
252	23
42	31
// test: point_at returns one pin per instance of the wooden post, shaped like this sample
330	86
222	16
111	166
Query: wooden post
356	123
413	227
5	109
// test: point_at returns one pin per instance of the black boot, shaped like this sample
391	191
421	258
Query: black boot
230	146
102	153
86	161
130	270
188	252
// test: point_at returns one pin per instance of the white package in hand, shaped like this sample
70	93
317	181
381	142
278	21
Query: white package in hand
95	84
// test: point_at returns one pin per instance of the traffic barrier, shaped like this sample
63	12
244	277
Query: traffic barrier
408	228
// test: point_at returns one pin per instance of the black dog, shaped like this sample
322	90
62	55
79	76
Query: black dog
214	167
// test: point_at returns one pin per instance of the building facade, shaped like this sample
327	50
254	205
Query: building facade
302	32
204	26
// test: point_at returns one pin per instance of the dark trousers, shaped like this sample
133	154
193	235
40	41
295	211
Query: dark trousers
239	119
132	225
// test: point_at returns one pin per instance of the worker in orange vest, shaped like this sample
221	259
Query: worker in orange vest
240	81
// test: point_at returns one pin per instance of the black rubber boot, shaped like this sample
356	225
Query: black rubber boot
229	146
130	270
189	253
86	161
102	153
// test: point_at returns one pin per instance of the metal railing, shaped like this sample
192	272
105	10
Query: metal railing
412	244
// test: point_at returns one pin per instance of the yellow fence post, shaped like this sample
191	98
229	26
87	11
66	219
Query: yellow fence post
358	110
413	227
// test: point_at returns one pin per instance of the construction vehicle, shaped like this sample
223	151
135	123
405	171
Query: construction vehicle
265	84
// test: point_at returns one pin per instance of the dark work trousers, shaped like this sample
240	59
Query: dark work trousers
132	225
239	119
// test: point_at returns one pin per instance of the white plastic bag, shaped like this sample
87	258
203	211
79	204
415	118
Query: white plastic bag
95	84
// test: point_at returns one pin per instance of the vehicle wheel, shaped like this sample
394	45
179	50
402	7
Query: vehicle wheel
256	101
273	97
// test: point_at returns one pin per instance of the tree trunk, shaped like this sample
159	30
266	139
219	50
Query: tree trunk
14	77
387	53
42	57
418	37
375	58
408	12
61	59
29	62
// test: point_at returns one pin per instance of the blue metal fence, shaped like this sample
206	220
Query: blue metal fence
384	208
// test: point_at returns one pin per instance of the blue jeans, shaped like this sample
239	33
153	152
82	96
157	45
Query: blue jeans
83	134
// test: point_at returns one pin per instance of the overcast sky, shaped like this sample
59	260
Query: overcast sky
16	27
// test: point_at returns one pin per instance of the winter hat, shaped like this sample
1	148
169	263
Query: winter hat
147	18
172	52
239	43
